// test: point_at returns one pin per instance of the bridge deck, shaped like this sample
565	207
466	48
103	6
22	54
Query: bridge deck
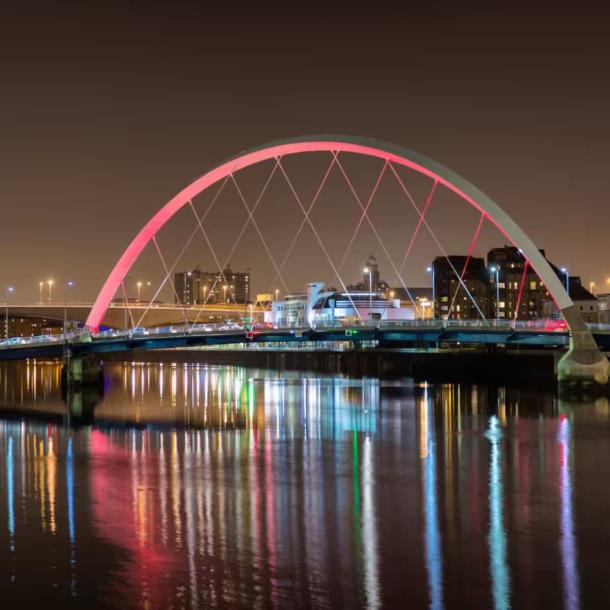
394	334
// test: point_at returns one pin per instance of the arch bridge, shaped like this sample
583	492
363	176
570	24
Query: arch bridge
582	362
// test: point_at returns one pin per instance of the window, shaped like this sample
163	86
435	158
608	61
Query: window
532	285
501	284
501	304
444	299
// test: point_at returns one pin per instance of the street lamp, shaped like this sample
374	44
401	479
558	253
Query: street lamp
224	289
40	287
205	292
431	270
69	285
368	270
591	287
50	284
139	285
277	292
496	269
566	272
9	292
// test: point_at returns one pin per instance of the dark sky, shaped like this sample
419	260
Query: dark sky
108	110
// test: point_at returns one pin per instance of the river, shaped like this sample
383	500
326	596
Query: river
183	485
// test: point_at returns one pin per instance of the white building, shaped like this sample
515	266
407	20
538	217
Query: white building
320	307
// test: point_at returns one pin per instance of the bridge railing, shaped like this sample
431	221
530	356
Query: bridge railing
82	335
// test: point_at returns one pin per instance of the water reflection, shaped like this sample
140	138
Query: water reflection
194	486
568	538
497	534
434	559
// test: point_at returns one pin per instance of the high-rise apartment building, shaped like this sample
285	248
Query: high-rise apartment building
197	287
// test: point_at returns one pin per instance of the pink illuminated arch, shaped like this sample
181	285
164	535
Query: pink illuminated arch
334	144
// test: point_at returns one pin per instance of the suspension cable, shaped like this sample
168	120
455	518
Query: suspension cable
167	272
126	303
240	235
319	239
438	243
304	221
179	257
262	238
419	224
364	213
469	255
373	228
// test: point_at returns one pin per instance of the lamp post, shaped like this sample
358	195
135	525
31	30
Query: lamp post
368	270
431	270
566	272
496	270
50	284
205	292
9	292
68	286
224	289
40	288
277	292
249	321
591	287
139	286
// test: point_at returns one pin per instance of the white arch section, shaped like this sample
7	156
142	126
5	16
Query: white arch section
340	144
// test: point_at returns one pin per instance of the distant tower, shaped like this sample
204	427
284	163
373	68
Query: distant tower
371	264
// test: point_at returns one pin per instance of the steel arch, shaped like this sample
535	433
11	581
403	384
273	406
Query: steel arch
347	144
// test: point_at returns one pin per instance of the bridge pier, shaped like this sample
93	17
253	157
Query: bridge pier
583	365
81	371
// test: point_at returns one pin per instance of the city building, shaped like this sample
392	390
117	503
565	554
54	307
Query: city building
603	303
212	287
421	295
24	326
519	292
451	299
586	302
371	278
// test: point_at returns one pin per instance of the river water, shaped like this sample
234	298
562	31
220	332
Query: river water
194	486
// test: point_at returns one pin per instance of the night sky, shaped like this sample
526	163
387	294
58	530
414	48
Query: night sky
108	111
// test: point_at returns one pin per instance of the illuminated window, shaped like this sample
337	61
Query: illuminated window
501	284
501	304
532	285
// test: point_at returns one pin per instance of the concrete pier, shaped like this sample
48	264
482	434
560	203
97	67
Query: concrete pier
583	364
